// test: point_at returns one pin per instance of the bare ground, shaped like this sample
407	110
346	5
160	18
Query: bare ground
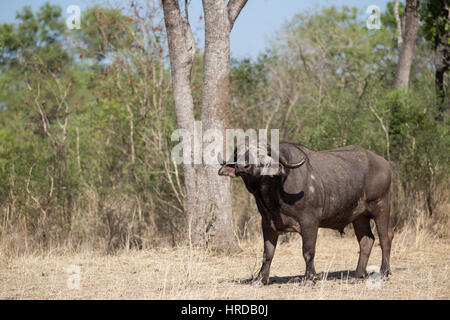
420	266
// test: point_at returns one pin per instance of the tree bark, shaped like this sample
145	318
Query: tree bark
208	202
181	54
406	51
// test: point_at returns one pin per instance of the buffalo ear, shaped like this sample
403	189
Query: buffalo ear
227	170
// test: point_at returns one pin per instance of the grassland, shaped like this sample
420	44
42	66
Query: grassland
420	266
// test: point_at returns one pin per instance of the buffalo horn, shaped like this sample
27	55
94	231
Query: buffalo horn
287	164
220	160
292	165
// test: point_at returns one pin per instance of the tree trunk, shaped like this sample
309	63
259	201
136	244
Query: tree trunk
406	51
208	197
442	58
441	63
182	53
214	226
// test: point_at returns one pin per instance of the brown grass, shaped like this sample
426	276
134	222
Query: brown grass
420	271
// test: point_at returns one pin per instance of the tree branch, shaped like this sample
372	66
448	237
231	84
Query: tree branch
234	8
180	37
399	24
411	19
385	130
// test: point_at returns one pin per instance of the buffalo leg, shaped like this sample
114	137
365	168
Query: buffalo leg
381	217
365	239
270	243
309	237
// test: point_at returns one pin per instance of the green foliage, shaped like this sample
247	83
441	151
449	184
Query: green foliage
434	14
105	30
36	41
388	16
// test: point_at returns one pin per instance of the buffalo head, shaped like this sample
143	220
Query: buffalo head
255	162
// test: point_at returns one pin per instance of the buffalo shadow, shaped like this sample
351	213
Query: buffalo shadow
343	275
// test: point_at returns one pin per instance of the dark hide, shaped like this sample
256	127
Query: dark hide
331	189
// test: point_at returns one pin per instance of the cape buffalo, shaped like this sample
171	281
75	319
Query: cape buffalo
306	190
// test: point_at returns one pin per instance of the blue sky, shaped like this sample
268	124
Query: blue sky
258	22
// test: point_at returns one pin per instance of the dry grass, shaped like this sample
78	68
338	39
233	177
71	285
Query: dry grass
420	271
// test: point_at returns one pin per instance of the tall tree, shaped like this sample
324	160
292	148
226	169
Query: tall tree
407	39
208	198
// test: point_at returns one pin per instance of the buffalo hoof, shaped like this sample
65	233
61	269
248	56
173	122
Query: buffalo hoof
383	277
380	274
385	274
